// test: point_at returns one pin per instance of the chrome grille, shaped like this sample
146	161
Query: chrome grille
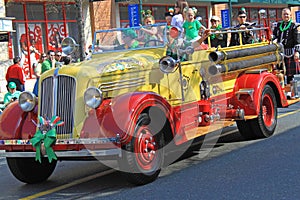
58	99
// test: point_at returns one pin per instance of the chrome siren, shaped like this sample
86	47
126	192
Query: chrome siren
168	64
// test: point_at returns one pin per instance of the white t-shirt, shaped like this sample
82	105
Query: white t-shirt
177	20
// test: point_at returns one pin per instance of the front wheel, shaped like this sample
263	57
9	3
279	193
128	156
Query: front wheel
143	156
28	170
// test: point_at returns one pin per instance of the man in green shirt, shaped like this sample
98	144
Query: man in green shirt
50	62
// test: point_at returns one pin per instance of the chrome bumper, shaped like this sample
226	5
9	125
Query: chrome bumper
67	154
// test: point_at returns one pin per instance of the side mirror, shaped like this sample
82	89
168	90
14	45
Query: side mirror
68	45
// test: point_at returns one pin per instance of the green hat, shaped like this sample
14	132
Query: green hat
12	85
130	32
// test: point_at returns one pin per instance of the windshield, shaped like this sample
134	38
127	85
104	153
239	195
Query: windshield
132	38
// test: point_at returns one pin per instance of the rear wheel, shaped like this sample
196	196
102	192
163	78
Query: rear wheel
265	124
143	156
28	170
245	129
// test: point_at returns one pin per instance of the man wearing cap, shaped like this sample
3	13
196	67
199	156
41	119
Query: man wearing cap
16	74
217	39
12	94
247	36
287	33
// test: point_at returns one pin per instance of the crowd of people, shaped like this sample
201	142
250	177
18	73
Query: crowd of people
185	19
16	78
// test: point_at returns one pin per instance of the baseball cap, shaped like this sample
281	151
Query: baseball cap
215	18
12	85
242	12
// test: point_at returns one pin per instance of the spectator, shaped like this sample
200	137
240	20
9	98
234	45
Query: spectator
12	95
49	63
67	60
286	32
37	72
15	73
247	36
33	52
59	59
177	19
217	39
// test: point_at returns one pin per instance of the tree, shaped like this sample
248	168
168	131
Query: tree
80	24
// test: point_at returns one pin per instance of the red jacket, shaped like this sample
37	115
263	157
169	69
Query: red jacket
15	71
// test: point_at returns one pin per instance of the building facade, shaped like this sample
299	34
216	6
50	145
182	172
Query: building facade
42	24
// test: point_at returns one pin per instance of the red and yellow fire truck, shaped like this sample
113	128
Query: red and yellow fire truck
134	103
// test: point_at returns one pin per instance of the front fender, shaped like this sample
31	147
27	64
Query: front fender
256	81
17	124
119	115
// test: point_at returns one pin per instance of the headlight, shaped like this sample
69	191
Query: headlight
27	101
93	97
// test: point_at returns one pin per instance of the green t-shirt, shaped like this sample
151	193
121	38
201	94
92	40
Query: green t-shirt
8	96
46	65
191	29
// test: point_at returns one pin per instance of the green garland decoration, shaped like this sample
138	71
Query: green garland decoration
48	139
285	28
213	36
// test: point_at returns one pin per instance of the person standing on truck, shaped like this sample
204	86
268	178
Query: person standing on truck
217	39
148	33
129	41
286	32
16	74
247	35
178	18
191	26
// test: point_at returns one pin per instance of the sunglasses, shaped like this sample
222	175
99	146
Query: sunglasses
52	54
58	54
242	16
44	56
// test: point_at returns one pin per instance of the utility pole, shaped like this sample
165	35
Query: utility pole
230	12
80	25
141	8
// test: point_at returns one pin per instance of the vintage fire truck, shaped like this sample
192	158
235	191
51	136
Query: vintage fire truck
135	105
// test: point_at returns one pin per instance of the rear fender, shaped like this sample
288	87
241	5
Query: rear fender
254	82
17	124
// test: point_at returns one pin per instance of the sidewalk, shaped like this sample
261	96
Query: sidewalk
29	84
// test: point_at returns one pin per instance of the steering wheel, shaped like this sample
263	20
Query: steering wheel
155	43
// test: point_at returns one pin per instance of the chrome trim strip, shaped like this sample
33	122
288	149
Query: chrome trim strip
122	84
67	154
